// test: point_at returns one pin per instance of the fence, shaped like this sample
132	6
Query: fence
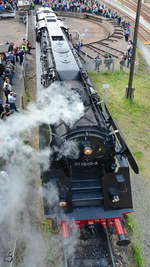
106	64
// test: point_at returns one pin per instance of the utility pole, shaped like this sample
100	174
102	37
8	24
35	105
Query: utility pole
130	89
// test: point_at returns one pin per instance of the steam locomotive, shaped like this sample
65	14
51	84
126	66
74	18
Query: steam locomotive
93	187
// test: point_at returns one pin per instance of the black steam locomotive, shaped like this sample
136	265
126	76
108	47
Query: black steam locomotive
94	186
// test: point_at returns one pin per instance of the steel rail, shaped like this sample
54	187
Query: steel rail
145	11
84	53
144	33
110	258
114	49
110	247
97	50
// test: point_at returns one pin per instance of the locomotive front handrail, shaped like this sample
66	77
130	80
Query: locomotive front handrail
123	144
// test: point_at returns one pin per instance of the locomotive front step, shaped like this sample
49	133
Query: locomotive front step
83	185
87	198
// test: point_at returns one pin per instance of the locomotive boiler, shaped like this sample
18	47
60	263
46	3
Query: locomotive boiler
93	186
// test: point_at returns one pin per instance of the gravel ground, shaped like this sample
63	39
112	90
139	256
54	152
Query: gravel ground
141	215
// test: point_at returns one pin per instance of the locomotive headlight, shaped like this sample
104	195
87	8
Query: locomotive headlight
62	203
88	150
115	199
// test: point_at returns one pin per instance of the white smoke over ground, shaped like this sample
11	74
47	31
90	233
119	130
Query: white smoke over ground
68	149
55	104
83	34
145	51
18	162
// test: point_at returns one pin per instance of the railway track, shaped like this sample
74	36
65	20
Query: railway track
7	254
103	46
133	6
102	49
94	249
144	32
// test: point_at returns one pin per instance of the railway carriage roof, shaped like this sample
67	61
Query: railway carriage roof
44	10
54	29
41	24
43	16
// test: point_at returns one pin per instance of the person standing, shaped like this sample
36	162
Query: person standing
6	92
108	61
21	55
98	62
2	111
123	61
126	35
29	46
12	100
79	46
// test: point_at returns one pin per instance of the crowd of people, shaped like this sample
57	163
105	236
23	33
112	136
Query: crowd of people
8	61
7	5
92	6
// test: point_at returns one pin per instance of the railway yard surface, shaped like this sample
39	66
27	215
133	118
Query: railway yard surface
90	32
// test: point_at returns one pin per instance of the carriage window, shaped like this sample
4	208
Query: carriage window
51	20
46	11
57	38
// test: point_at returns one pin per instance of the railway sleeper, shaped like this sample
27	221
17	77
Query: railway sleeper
117	33
116	36
89	263
119	30
93	249
108	47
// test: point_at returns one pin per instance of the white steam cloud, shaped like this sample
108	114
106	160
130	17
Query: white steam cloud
68	149
19	164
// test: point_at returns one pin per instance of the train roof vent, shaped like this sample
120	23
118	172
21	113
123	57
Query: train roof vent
51	20
57	38
62	50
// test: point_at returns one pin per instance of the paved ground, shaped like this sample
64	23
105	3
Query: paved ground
13	31
88	31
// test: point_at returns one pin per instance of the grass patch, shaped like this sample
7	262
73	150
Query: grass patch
138	154
19	252
141	167
28	96
131	115
142	62
130	223
137	255
136	250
